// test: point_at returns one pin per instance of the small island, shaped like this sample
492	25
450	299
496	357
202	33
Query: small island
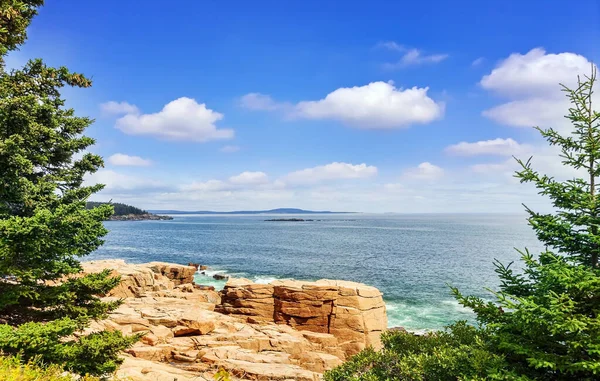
124	212
288	220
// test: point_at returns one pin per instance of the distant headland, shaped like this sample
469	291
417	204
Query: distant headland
270	211
124	212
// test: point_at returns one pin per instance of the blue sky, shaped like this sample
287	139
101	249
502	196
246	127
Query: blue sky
349	105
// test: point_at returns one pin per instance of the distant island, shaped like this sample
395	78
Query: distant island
270	211
124	212
288	220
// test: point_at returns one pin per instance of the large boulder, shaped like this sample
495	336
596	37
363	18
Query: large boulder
352	312
179	274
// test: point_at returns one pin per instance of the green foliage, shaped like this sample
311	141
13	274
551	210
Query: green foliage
545	321
222	375
15	16
13	369
89	354
44	224
119	209
573	229
459	353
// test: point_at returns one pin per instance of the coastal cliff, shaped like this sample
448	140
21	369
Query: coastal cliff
287	330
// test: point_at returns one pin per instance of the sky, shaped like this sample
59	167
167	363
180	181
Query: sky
367	106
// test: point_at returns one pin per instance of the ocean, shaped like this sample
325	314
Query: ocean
412	259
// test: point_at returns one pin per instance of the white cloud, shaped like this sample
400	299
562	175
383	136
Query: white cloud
391	45
460	191
535	73
207	186
181	119
249	178
332	171
477	61
531	83
499	147
115	181
229	149
126	160
258	101
543	112
508	168
378	105
118	108
424	171
414	57
410	57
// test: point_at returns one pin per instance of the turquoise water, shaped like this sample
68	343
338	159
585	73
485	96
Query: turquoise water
410	258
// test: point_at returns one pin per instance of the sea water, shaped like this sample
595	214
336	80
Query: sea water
412	259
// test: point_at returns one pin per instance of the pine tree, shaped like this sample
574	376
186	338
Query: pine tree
44	224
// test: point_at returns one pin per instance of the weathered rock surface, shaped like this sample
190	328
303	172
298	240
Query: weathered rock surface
269	332
138	279
352	312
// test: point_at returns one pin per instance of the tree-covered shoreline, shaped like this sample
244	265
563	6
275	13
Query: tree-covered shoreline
124	212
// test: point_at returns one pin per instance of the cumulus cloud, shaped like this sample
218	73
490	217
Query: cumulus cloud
118	108
229	149
499	147
246	178
121	159
424	171
543	112
332	171
530	82
378	105
535	73
181	119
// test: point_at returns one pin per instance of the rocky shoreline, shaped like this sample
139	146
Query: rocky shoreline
139	217
286	330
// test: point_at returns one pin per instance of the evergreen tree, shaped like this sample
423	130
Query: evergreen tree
545	322
547	319
44	224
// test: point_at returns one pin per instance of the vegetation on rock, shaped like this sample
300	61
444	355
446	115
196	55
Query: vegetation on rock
13	369
119	209
44	225
544	324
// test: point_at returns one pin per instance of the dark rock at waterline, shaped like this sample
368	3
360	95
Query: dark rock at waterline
397	329
203	287
220	277
196	265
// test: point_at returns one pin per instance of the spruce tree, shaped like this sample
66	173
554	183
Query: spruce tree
44	224
545	321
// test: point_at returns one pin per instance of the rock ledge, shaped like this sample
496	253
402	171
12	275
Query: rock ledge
287	330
